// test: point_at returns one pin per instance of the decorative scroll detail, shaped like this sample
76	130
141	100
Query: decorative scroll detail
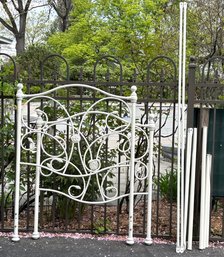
67	151
76	138
94	165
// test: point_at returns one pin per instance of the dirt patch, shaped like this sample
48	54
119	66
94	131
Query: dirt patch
101	219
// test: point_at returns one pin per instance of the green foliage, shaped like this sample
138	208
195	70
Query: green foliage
29	63
125	29
168	185
8	89
7	158
102	226
66	208
137	31
6	141
7	76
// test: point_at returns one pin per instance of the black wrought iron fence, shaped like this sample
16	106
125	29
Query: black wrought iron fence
157	91
7	134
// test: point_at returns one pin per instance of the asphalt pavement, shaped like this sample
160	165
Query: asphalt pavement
68	247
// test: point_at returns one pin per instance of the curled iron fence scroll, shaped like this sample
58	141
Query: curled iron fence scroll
79	158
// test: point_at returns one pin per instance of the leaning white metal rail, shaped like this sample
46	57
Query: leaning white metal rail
60	163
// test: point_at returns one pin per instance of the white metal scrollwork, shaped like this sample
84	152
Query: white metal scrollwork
89	150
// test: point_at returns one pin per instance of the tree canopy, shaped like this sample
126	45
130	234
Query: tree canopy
126	29
133	31
137	31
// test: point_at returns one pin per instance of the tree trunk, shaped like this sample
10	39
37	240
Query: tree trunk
20	43
64	23
20	37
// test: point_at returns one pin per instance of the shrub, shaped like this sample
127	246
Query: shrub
168	185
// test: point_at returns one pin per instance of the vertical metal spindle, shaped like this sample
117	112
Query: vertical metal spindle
192	191
39	123
151	125
28	167
203	189
187	181
159	171
130	239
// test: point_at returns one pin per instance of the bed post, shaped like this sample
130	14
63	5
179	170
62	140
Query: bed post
19	97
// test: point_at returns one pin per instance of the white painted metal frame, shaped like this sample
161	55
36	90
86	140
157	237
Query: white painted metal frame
91	163
187	180
192	190
180	245
206	166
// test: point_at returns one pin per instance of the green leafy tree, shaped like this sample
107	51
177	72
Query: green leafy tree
62	8
125	29
137	31
29	63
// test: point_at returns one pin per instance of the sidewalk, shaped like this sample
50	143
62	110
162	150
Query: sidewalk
68	247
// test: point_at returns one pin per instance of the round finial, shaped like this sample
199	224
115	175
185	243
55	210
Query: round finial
192	63
133	94
192	59
151	122
39	112
39	121
19	94
20	86
133	89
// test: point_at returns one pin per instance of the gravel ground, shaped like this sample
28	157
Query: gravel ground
93	247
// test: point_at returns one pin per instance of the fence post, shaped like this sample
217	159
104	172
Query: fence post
191	93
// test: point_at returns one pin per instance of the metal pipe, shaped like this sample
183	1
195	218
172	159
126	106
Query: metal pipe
179	128
183	246
36	234
19	97
187	181
130	239
148	239
203	181
207	198
192	190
